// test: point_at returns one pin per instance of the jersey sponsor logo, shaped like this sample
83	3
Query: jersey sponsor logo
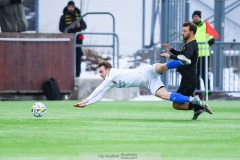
120	84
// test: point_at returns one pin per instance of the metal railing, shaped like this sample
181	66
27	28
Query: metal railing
115	55
92	13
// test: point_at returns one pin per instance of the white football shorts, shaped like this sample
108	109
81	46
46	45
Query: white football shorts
153	79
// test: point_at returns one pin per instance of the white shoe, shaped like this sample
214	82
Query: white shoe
184	60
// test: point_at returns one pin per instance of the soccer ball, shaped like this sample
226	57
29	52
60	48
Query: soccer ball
38	109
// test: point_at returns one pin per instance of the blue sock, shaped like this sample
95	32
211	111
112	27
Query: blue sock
179	98
174	64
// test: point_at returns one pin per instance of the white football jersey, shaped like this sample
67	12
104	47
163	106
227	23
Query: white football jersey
126	78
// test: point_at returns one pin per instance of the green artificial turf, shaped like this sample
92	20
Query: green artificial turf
136	129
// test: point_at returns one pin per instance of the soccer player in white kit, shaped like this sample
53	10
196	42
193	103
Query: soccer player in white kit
149	77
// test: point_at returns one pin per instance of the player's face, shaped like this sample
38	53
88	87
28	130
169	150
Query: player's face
103	72
185	33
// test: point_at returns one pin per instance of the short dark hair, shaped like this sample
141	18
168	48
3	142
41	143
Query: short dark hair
191	25
71	3
105	64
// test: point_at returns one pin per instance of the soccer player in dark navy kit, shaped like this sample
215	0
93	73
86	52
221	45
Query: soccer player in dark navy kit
188	72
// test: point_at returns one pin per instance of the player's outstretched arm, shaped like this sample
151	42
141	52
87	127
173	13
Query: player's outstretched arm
97	94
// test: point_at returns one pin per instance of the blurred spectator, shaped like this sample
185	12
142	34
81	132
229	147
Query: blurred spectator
12	16
70	14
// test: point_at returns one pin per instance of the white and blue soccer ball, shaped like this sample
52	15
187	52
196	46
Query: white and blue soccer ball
38	109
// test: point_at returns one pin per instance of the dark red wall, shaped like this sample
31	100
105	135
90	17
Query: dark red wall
25	65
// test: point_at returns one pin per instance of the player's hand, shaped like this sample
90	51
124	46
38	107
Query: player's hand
166	46
165	55
81	104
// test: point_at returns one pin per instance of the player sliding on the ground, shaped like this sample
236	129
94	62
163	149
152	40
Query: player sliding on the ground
188	72
149	77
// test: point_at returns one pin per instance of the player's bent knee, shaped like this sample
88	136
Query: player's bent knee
161	67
